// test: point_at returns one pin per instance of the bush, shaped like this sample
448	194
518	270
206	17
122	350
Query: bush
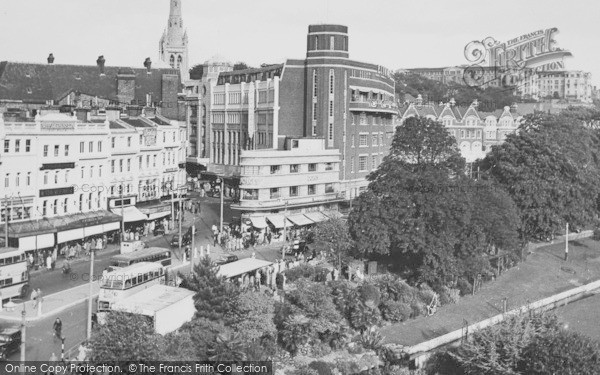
305	370
344	296
427	295
596	235
418	308
448	295
371	340
393	311
303	271
322	368
363	317
561	352
369	294
395	289
464	287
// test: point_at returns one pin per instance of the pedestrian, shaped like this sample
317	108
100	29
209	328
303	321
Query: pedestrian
57	328
34	296
53	358
49	262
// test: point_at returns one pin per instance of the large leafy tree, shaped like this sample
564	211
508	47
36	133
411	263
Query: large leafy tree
550	169
333	236
125	336
252	316
215	297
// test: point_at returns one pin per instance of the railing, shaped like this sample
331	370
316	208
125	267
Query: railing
281	200
385	105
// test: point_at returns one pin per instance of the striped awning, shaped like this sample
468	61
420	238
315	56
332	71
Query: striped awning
316	216
300	220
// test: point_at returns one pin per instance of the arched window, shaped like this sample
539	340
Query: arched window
179	61
172	61
44	208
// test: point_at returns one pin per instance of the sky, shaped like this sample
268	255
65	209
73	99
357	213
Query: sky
393	33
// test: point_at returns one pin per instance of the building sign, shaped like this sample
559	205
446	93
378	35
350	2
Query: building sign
57	166
515	60
150	137
57	191
59	126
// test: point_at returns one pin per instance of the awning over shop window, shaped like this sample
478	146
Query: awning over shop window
158	215
111	226
300	220
258	222
130	214
70	235
277	221
316	216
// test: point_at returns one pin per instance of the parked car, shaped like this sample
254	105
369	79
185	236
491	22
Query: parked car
159	230
10	341
185	240
227	259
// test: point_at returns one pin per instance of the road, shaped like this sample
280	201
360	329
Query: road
40	341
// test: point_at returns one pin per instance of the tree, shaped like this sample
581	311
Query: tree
253	316
561	352
197	71
194	340
125	336
215	297
240	66
334	236
550	169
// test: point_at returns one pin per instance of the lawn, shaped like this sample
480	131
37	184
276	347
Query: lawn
543	274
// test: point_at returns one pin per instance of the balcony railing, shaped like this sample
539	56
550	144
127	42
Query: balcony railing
291	201
374	105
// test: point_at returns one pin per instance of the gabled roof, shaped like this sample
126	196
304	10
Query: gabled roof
447	111
471	111
41	82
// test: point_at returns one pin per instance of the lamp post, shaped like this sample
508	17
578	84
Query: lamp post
221	181
23	333
89	321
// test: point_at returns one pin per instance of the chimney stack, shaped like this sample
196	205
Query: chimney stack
419	100
452	102
513	108
100	62
82	114
149	112
134	110
51	58
148	64
113	113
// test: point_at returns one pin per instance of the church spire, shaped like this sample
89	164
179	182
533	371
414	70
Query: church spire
173	44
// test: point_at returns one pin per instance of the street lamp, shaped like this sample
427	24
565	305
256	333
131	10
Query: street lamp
221	181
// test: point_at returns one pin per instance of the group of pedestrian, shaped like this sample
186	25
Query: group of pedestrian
77	249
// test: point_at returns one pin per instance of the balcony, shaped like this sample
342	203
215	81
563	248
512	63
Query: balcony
385	106
279	203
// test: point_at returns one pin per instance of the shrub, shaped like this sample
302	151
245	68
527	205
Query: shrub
561	352
393	311
427	295
394	288
369	294
596	235
363	317
448	295
305	370
464	286
322	368
344	296
303	271
371	340
418	308
347	367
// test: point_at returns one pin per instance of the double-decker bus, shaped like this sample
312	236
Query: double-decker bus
151	254
14	277
127	281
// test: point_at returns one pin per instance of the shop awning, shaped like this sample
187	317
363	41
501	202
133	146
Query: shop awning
316	216
158	215
277	221
130	214
333	214
300	220
241	267
258	222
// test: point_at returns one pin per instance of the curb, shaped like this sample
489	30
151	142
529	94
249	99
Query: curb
46	314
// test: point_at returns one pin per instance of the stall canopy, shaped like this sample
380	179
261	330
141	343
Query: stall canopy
241	267
300	220
316	216
258	222
130	214
278	220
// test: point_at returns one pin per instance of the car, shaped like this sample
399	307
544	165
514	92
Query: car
186	240
10	341
159	230
227	259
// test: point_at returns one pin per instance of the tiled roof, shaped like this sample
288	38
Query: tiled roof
27	81
136	122
115	125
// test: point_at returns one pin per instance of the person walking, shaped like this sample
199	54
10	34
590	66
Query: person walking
57	328
34	296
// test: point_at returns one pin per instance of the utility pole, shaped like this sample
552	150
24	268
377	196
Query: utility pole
180	213
285	222
89	321
122	217
192	249
6	220
567	243
23	333
172	207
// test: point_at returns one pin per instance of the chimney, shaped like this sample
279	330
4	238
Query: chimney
113	113
149	112
51	58
148	64
82	114
134	110
475	103
100	62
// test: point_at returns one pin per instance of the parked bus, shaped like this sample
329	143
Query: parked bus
14	277
151	254
127	281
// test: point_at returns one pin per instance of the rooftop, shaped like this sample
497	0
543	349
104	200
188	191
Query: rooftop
155	298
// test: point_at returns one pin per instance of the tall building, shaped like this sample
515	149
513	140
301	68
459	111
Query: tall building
173	45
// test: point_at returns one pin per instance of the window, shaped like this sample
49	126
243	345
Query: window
331	108
112	166
328	188
164	137
374	139
112	142
65	205
82	172
128	165
363	140
294	168
91	146
274	193
315	83
374	162
312	167
275	169
17	180
91	171
81	147
147	161
329	166
250	194
362	163
66	150
141	139
154	160
352	164
7	180
262	96
140	163
99	171
17	145
331	81
312	189
55	207
314	112
235	97
352	140
331	42
219	98
67	176
56	177
330	134
7	146
28	181
56	150
121	165
293	191
27	145
44	208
